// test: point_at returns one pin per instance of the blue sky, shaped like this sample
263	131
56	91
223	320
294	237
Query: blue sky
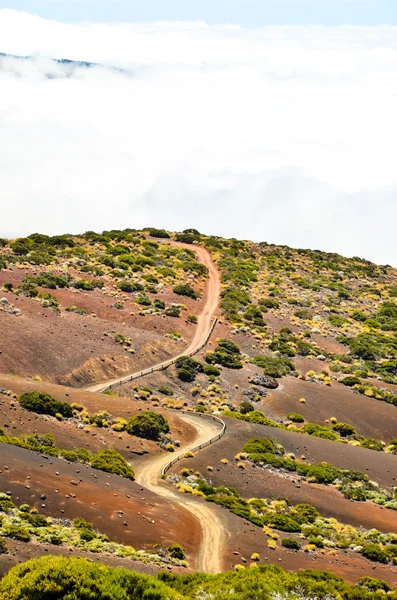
243	12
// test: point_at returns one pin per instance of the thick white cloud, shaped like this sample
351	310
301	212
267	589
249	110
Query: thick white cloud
281	134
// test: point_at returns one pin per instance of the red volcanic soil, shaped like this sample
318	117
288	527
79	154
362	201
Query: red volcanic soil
245	539
18	421
255	482
80	349
263	483
370	417
146	520
73	348
380	467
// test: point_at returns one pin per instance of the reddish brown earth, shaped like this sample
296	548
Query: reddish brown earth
73	349
245	539
78	349
254	482
99	497
55	346
370	417
17	421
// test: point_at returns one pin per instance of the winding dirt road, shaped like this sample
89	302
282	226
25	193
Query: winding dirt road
214	534
204	322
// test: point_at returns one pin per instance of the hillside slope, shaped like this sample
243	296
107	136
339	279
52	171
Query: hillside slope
303	359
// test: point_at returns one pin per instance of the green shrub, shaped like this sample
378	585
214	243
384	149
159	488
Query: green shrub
344	429
259	417
129	286
272	366
172	311
374	552
290	543
143	300
350	381
372	444
296	417
304	513
269	303
246	407
159	304
282	523
6	505
176	551
75	578
320	431
185	290
16	532
323	473
303	313
186	238
43	403
229	346
166	390
112	462
35	519
211	370
372	584
148	425
337	320
3	546
259	446
187	368
87	285
227	354
158	233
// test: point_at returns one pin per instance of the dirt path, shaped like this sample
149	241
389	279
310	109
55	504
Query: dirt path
214	534
204	323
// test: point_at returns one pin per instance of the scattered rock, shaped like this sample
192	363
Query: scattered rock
264	381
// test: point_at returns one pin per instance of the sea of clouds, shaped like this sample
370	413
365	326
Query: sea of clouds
283	134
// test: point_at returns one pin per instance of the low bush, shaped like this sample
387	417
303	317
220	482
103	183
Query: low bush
272	366
75	578
112	462
296	417
344	429
350	381
166	390
211	370
374	552
282	523
246	407
290	543
227	354
176	551
373	585
158	233
320	431
187	368
43	403
185	290
16	532
172	311
259	446
148	424
372	444
3	546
